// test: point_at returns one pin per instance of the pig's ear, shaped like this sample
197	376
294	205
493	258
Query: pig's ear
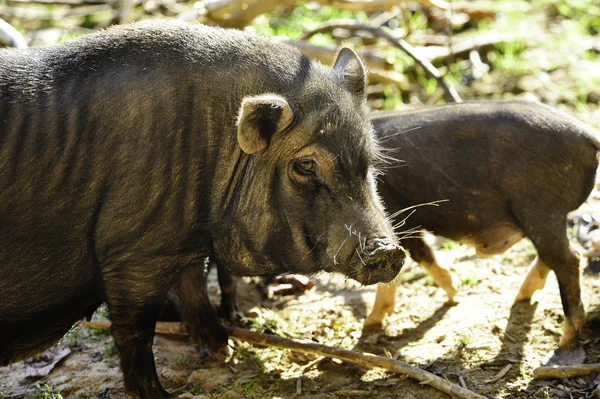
259	119
349	65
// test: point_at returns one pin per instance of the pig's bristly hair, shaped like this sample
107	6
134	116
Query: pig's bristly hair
383	158
408	233
432	203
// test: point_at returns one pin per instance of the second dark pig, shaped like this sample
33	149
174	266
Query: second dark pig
508	170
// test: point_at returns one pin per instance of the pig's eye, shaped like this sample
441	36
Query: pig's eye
305	167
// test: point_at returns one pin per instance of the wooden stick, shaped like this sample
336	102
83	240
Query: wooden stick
162	327
370	6
73	3
500	374
449	90
361	359
327	54
43	15
11	37
239	13
462	47
558	372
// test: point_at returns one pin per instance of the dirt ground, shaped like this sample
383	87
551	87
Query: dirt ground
473	340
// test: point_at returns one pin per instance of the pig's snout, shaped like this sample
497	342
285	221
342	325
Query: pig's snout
383	260
378	244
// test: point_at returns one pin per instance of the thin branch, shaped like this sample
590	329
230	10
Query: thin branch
500	374
463	46
362	359
328	54
42	15
11	37
559	372
449	90
73	3
378	5
162	327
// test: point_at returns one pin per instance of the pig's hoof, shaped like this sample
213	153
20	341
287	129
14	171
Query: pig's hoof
452	289
217	352
374	321
566	357
521	298
373	325
451	302
229	313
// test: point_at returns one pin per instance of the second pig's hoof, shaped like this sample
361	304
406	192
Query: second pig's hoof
565	357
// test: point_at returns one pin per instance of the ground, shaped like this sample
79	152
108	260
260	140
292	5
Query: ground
472	340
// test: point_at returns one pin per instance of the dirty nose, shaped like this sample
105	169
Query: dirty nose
378	244
382	260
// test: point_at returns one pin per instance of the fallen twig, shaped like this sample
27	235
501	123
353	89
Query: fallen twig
44	15
73	3
361	359
558	372
328	54
449	90
379	5
462	47
162	327
10	37
500	374
393	78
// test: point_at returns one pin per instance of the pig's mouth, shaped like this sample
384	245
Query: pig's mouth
379	265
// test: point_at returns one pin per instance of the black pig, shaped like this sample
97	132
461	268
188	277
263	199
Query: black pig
509	169
127	156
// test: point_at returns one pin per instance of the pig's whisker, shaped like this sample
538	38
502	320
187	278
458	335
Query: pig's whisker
387	167
317	242
360	257
408	237
349	229
403	221
387	138
404	233
432	203
338	251
383	158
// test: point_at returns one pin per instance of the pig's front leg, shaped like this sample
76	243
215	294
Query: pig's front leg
198	313
135	293
228	284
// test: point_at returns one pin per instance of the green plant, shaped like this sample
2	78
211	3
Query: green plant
449	245
461	341
221	391
249	355
267	323
180	360
71	339
196	389
45	392
470	279
110	351
522	371
429	282
249	387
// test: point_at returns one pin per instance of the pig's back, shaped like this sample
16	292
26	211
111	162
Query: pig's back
485	158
